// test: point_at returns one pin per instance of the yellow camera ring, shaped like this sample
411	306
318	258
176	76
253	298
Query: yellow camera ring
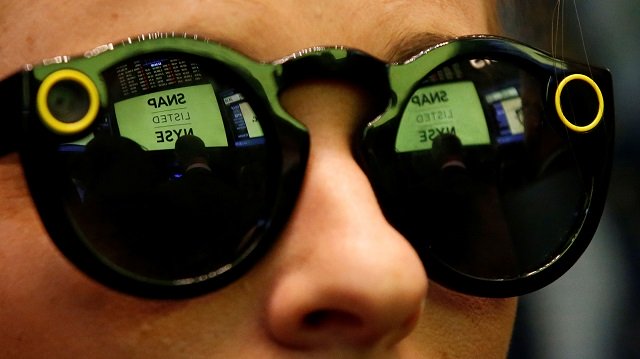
55	124
598	92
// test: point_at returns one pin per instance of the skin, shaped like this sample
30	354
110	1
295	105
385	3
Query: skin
340	282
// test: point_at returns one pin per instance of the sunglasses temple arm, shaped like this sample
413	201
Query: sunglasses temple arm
11	116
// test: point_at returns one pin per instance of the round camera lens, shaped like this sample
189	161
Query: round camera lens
68	101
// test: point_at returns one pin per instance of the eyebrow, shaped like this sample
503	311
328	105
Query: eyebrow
410	45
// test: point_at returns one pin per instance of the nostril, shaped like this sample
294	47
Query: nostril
331	319
335	326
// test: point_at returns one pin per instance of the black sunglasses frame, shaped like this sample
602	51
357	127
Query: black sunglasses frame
263	83
595	148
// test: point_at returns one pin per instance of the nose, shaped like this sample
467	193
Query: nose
345	278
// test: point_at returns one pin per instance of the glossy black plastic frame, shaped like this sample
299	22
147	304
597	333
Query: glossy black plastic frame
393	84
594	150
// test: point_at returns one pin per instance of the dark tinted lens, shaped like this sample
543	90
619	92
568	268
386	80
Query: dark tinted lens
173	183
482	178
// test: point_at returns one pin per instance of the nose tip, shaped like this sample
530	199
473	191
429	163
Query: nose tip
342	313
347	278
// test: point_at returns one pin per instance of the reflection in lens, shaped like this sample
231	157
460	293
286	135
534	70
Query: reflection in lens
172	185
166	215
482	179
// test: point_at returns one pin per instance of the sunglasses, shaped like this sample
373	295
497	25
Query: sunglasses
165	167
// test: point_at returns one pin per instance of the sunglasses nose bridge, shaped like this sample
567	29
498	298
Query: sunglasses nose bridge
352	66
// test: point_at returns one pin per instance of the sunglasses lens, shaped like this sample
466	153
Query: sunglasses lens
175	182
484	178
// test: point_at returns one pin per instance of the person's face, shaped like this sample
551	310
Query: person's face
340	281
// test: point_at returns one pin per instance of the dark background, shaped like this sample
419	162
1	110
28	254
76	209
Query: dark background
594	310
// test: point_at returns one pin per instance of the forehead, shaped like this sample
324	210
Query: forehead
372	26
265	30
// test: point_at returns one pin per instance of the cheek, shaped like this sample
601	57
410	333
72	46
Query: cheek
47	306
465	326
30	261
43	299
34	277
